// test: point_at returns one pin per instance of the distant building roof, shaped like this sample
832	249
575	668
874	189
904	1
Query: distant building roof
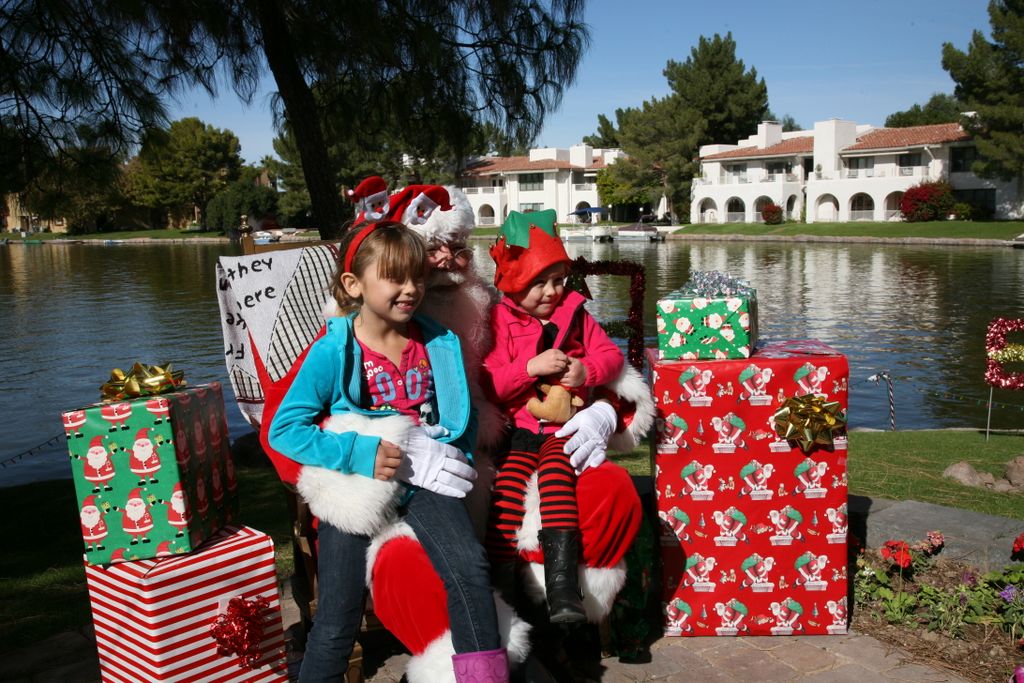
913	136
493	165
800	145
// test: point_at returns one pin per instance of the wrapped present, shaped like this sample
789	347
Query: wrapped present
711	316
153	474
211	615
750	476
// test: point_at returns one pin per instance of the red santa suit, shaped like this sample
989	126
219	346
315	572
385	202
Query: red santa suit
177	511
116	414
94	528
98	467
135	518
145	460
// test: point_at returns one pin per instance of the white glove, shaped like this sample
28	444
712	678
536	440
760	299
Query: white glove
591	428
435	466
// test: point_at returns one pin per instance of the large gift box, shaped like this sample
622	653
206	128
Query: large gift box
154	475
711	316
153	618
753	537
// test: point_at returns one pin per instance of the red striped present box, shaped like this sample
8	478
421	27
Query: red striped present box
153	617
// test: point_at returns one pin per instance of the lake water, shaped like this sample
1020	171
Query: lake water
71	313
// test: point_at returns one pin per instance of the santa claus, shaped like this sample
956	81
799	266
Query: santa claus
145	459
135	518
755	477
609	509
696	476
810	379
99	466
177	511
809	474
677	613
787	614
810	567
73	422
757	569
94	528
159	408
116	414
698	570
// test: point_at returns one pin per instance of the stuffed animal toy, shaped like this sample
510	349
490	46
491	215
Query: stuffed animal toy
558	405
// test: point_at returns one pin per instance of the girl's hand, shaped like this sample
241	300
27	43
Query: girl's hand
550	362
575	376
389	457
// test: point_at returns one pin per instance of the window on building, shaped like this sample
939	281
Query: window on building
908	162
962	158
982	201
778	167
531	181
860	167
497	182
531	206
577	178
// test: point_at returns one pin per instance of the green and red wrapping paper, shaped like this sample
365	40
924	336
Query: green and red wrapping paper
753	537
154	474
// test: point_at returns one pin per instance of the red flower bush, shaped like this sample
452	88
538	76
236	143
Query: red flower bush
927	202
898	552
771	214
1018	549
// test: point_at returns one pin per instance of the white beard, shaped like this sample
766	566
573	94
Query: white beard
90	516
135	509
143	450
178	504
96	457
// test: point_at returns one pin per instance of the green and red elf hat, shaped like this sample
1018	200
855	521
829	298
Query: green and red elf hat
527	245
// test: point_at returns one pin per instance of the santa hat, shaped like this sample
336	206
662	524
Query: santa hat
527	245
135	493
449	227
97	442
372	190
177	488
415	204
89	501
142	434
164	549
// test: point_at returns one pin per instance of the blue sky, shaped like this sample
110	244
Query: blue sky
820	59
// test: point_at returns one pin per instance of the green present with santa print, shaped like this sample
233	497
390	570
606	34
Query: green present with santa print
713	316
153	474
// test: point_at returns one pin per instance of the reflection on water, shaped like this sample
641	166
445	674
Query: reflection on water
71	313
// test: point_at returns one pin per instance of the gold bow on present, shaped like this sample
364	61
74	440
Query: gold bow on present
141	380
809	420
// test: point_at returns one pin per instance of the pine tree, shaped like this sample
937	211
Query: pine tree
989	79
940	108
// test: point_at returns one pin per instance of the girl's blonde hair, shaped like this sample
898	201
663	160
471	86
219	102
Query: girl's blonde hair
399	253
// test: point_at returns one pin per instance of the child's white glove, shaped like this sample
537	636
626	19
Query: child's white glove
591	428
435	466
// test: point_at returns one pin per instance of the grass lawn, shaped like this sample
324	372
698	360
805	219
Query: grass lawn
998	230
42	583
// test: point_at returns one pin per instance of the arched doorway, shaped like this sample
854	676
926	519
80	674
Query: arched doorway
759	205
827	208
708	211
791	207
893	212
735	211
485	215
583	217
862	207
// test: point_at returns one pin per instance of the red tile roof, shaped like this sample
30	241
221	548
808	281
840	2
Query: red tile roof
800	145
914	136
492	165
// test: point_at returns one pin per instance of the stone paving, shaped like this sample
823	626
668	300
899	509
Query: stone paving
980	539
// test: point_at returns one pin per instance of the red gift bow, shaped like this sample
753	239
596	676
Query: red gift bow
239	631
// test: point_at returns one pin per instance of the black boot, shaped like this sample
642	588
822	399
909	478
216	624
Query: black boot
561	575
504	578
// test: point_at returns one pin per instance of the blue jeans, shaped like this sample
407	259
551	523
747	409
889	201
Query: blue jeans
443	528
341	575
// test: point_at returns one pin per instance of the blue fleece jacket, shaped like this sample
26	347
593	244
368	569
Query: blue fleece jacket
330	382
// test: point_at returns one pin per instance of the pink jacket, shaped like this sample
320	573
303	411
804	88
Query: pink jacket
517	338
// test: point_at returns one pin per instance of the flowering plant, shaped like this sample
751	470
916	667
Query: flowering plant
1017	553
898	552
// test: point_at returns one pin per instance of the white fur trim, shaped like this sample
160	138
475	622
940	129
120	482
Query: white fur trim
434	664
330	308
599	585
453	225
396	530
352	502
528	534
631	386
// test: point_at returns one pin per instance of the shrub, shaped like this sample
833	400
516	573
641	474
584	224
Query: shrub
927	202
771	214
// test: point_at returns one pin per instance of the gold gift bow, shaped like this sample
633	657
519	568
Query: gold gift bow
141	380
808	420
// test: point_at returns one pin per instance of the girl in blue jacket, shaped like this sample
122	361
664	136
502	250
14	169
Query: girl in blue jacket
380	418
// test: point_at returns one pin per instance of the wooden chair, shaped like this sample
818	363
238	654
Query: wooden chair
304	584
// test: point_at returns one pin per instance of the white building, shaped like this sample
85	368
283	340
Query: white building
840	171
548	178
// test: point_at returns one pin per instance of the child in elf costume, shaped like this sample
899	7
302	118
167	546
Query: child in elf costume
547	348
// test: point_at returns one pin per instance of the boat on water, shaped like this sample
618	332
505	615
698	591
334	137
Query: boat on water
641	232
111	243
598	232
